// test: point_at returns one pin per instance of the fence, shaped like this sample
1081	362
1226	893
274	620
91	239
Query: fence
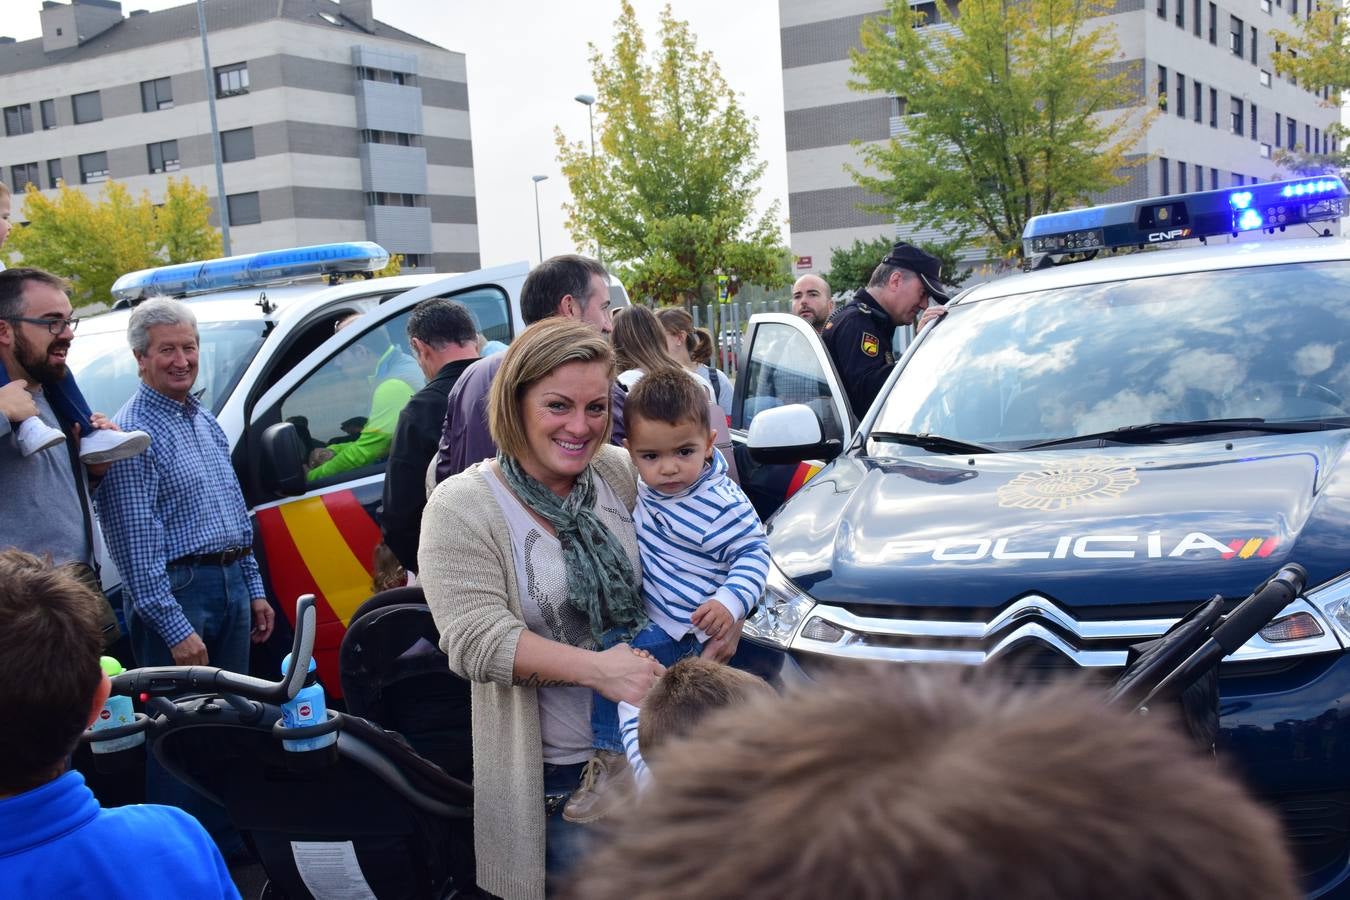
726	323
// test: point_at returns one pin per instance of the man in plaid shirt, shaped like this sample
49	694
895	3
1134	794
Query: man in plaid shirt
174	517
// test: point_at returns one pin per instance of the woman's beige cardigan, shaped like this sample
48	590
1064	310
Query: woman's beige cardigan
468	571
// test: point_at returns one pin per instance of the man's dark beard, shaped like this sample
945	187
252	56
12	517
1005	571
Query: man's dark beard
35	362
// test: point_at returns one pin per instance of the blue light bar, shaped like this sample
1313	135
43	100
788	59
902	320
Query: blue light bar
252	270
1160	220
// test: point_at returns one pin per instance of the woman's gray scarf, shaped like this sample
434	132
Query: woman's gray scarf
600	580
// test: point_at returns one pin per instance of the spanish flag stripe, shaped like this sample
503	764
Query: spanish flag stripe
343	579
1268	547
356	526
1249	548
286	569
801	476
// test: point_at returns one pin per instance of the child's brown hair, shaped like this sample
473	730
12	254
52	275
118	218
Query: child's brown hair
670	395
685	695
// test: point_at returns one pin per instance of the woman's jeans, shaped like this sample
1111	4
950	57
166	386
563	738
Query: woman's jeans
66	401
666	650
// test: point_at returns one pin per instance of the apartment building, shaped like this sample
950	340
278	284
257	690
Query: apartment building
333	125
1207	64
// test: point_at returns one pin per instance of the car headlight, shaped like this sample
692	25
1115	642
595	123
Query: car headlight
1333	602
780	613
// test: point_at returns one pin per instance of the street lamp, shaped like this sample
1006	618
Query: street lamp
538	229
588	100
222	202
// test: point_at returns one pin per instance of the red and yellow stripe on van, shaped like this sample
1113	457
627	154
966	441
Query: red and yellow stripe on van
324	546
804	473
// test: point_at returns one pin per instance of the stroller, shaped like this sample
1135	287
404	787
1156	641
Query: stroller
365	816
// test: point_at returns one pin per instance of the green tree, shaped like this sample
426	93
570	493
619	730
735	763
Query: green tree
1318	55
1012	113
851	267
94	242
669	195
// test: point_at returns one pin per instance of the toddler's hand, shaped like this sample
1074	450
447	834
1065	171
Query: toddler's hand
713	619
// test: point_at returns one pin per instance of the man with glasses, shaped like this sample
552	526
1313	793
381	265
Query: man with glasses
859	336
43	481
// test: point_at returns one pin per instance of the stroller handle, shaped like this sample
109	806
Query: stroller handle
161	680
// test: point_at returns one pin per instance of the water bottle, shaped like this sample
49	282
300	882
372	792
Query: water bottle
117	712
307	708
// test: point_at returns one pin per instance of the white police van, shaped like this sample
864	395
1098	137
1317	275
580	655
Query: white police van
1073	457
269	356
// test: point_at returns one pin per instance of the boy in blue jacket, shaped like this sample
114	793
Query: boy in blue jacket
55	839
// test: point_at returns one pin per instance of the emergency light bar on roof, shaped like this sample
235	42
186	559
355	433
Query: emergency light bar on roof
1201	214
251	270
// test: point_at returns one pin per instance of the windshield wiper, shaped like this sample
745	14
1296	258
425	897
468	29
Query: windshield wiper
935	442
1160	431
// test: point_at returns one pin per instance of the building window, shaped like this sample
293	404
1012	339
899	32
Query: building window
237	145
1252	49
244	208
22	174
366	73
1181	96
384	198
48	114
1237	180
163	157
232	79
1252	120
18	119
1181	14
1265	78
1195	18
1199	104
1279	127
53	173
1162	8
1235	35
1293	79
1165	167
1214	24
1181	177
1293	7
1213	108
1162	88
1307	139
1213	179
1265	151
1291	132
402	139
87	107
1199	177
93	168
1235	116
156	94
412	260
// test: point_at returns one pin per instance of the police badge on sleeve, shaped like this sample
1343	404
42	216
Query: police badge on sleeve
870	344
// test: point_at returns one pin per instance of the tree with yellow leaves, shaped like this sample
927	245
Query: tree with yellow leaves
92	242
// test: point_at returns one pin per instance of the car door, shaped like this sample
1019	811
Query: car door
344	399
783	361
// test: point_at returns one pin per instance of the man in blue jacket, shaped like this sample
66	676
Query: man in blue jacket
55	839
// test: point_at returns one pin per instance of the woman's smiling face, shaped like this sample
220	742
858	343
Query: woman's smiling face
566	417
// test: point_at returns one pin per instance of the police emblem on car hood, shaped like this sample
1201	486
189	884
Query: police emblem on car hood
1059	487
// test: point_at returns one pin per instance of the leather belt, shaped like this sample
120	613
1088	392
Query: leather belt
218	558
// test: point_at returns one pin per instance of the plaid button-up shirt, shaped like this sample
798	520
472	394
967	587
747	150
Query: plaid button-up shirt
178	498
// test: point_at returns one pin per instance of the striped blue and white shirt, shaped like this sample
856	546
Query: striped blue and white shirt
178	498
705	542
628	734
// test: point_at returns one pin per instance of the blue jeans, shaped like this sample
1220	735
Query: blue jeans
605	713
66	401
565	842
216	601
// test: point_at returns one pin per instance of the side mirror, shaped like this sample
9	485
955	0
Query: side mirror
790	434
283	460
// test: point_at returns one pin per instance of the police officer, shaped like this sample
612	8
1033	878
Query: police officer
858	336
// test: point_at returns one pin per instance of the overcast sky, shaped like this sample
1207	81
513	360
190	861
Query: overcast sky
527	59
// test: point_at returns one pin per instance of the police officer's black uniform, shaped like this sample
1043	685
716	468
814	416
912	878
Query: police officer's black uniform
858	337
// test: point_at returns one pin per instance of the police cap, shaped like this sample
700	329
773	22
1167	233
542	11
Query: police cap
927	266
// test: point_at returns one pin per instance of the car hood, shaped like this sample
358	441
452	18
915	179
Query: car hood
1101	527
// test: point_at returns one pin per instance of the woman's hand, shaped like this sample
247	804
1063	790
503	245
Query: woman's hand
724	648
622	675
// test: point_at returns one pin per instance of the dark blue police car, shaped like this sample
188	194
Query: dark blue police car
1074	457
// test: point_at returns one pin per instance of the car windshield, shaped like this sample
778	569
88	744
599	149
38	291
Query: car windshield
1269	343
107	373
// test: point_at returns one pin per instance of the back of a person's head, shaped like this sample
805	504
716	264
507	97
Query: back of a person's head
925	786
684	696
552	280
703	347
640	342
50	643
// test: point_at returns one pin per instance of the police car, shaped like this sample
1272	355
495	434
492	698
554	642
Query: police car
276	375
1073	457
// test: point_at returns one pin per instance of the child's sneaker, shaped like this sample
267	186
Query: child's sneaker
104	445
35	435
606	783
